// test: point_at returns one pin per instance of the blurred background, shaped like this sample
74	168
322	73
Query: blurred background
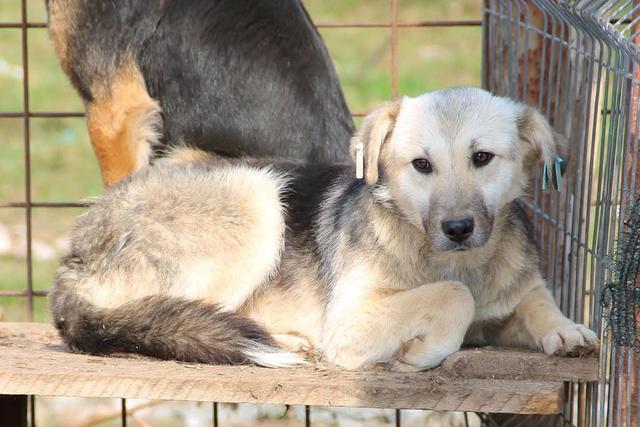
63	168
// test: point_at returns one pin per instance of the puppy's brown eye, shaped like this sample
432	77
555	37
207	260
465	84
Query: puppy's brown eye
482	158
422	165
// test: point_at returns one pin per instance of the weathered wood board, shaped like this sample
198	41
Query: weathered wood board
34	361
515	364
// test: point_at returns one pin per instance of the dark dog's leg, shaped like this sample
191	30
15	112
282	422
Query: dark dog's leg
97	52
124	123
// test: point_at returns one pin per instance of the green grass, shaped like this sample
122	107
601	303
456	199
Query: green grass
63	167
428	58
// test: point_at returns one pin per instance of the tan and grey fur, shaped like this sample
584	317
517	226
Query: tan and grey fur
200	259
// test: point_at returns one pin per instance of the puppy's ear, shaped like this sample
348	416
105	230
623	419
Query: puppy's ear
375	130
540	138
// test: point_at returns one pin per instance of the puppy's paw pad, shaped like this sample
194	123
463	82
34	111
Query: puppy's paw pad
570	340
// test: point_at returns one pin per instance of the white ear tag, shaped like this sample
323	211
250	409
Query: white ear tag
359	160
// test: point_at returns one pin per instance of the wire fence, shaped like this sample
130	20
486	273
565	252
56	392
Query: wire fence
577	61
28	204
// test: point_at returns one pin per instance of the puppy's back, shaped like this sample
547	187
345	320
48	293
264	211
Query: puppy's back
159	264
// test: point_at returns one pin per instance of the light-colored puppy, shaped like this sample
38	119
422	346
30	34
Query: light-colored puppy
208	261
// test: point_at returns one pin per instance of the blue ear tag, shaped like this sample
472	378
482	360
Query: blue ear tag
559	168
553	174
545	174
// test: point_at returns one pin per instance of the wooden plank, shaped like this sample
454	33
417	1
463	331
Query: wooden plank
33	361
515	364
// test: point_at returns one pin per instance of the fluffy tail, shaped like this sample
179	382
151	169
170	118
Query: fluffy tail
164	327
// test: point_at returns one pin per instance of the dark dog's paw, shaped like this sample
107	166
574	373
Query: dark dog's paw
570	340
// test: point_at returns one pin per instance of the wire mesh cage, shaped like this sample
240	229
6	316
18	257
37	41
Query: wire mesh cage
577	61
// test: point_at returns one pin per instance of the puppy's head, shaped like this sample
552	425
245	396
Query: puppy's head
450	160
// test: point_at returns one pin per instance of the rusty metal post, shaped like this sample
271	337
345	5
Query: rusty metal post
625	386
13	410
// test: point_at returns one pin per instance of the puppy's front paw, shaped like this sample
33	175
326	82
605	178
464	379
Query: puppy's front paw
569	340
398	366
420	354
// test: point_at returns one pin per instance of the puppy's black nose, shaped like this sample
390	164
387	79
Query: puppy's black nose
458	230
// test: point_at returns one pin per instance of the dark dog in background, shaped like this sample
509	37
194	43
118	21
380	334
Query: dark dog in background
230	77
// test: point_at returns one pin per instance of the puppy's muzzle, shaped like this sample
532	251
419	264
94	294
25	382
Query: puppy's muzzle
458	230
